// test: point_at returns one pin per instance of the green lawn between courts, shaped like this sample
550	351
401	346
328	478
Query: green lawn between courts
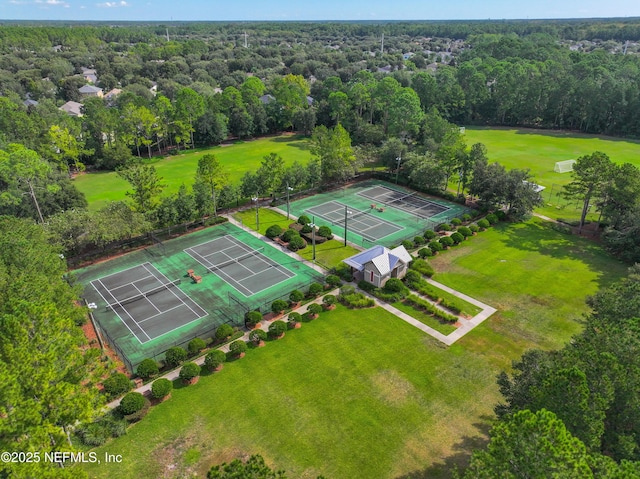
101	187
362	394
539	150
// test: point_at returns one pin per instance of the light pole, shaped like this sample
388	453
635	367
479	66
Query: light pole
288	190
257	216
399	159
313	236
346	212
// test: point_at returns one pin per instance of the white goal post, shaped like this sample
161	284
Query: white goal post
564	166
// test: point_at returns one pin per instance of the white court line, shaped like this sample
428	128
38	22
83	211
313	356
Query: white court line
173	292
219	272
143	296
160	313
266	260
128	284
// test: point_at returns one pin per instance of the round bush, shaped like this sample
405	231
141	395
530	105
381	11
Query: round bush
147	368
329	300
189	371
314	308
238	347
429	235
296	296
465	231
457	237
315	289
408	244
252	318
422	267
273	231
195	346
334	281
456	221
257	335
304	220
296	243
277	329
160	388
305	229
131	403
483	224
501	215
325	232
117	384
418	240
492	219
474	228
175	356
443	227
466	217
287	235
214	359
446	241
223	332
413	276
425	252
435	246
278	306
394	285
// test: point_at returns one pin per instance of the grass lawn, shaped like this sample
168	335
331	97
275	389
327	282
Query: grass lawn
99	188
466	308
362	394
424	318
540	150
328	254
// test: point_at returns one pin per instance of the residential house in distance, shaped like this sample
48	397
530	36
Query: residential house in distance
377	264
89	90
72	108
89	75
111	95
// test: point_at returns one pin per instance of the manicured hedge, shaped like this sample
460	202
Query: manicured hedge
273	231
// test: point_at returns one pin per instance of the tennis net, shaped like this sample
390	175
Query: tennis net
398	200
237	259
143	294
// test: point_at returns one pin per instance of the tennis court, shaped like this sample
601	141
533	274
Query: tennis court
408	202
244	268
362	222
147	302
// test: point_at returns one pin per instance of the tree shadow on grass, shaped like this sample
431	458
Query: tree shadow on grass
461	456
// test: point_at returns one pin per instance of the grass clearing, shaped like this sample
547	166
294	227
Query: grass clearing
539	150
242	156
465	307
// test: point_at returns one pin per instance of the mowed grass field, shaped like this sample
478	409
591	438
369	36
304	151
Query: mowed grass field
539	150
238	158
362	394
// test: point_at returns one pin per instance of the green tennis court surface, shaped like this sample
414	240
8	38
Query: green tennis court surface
146	302
377	212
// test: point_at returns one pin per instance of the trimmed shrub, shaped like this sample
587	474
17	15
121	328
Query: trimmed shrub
443	227
412	276
273	231
160	388
418	241
457	237
465	231
347	289
238	347
491	218
473	228
483	224
277	329
325	232
147	368
429	235
195	346
356	300
296	296
214	359
314	308
294	317
131	403
466	217
257	335
366	286
223	332
408	244
344	272
456	221
315	289
422	267
296	243
333	280
446	241
189	371
329	300
175	356
278	306
435	246
252	318
303	220
501	215
305	229
425	252
394	285
116	385
287	235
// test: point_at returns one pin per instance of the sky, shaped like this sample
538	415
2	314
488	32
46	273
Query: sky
248	10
